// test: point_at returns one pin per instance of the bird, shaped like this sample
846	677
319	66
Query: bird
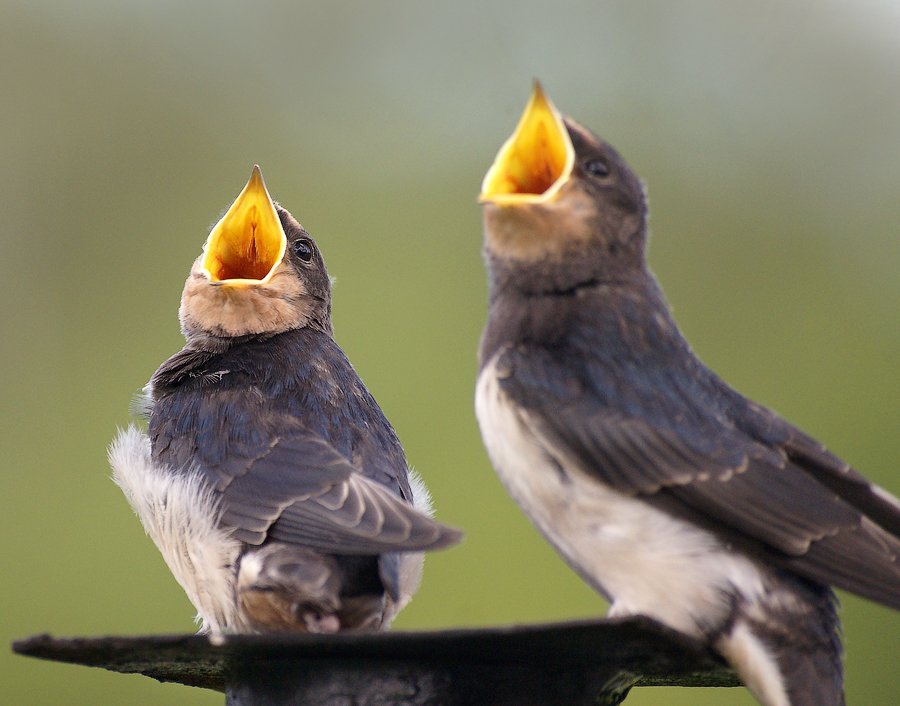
268	477
665	489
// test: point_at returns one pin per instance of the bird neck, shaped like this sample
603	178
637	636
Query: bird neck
610	306
202	341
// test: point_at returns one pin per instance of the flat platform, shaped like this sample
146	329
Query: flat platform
556	663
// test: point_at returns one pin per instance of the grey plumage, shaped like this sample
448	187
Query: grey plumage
274	435
652	421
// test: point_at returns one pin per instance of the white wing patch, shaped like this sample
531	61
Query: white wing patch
181	515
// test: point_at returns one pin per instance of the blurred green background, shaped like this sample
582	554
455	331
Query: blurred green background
768	134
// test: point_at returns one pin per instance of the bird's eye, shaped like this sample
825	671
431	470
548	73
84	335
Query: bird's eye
303	249
596	167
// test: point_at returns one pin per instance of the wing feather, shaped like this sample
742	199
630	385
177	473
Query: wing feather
792	500
274	478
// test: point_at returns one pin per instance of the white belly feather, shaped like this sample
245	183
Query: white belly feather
180	515
644	560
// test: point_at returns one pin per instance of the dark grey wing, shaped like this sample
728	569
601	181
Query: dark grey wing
275	479
659	444
874	502
303	492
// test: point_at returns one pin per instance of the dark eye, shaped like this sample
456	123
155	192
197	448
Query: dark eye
596	167
303	249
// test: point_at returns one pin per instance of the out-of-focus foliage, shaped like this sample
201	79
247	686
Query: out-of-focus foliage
768	134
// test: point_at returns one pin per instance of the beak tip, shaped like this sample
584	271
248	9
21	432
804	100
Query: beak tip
540	98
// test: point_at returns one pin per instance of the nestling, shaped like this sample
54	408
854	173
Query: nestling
269	479
666	490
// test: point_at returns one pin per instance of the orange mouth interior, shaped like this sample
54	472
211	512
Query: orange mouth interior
248	243
535	161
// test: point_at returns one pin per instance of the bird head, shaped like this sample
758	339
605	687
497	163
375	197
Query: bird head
561	203
260	273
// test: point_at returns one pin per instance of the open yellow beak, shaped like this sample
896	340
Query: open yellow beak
536	161
249	242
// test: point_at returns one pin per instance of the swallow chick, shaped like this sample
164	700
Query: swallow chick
270	480
666	490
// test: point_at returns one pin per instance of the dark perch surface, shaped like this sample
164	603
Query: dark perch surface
567	663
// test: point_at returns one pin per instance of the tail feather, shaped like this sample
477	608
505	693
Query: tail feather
787	647
811	679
